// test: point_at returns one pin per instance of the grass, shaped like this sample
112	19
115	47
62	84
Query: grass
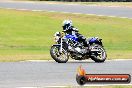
26	35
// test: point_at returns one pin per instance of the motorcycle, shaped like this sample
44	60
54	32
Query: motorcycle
68	46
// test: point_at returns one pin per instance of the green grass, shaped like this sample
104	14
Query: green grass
28	35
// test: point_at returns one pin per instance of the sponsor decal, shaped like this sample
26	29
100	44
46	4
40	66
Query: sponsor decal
83	78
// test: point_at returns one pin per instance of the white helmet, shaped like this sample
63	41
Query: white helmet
67	24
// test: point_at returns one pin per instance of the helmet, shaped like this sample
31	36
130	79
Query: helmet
67	24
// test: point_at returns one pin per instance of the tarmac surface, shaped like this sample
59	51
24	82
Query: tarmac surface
50	73
124	12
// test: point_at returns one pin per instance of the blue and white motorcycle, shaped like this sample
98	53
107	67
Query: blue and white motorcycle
68	46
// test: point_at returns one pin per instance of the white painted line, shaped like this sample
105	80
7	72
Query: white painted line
119	60
112	16
37	10
45	87
38	61
108	85
27	87
88	60
55	86
86	85
19	1
23	9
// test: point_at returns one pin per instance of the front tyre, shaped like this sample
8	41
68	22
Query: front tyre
98	53
57	56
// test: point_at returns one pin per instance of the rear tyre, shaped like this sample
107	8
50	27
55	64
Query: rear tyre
57	56
98	53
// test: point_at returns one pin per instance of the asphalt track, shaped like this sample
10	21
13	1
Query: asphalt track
70	8
50	73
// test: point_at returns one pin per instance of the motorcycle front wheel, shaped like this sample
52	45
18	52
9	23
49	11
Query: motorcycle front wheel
57	56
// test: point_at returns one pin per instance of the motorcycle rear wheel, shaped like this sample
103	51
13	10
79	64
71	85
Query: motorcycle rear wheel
98	53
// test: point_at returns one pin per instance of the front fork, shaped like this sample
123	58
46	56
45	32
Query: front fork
61	45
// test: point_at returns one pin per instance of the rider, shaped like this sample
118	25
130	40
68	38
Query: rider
68	28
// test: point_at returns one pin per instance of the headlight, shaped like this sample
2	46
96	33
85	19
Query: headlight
56	38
